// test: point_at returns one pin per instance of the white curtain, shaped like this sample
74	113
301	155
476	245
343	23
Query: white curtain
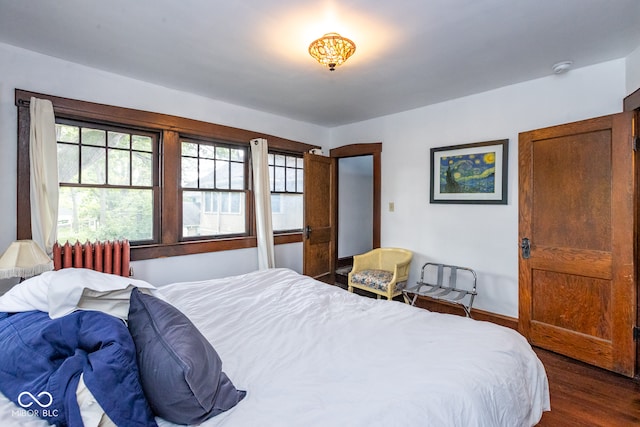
262	192
43	158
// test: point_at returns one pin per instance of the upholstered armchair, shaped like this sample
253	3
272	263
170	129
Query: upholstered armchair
382	271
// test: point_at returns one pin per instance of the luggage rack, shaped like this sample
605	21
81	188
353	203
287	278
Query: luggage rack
439	290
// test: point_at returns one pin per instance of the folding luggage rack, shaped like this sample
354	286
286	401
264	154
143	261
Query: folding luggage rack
445	287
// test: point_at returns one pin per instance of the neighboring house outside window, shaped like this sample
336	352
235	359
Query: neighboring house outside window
214	189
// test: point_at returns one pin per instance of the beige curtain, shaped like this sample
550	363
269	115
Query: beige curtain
262	193
43	158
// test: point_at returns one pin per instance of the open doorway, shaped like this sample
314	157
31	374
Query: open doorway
355	211
357	216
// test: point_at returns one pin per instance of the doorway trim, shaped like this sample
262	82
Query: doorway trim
373	149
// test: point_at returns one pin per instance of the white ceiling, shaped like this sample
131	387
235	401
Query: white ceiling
253	53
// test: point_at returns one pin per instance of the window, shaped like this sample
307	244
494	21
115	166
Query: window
108	177
214	189
171	185
286	176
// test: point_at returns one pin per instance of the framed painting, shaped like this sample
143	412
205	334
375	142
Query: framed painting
470	173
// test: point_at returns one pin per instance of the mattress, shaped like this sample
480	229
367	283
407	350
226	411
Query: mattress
311	354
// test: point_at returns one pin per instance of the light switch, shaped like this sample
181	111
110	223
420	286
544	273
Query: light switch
392	207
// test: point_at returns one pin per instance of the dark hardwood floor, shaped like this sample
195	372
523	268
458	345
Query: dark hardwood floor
583	395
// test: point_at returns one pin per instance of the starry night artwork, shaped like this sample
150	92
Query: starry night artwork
470	173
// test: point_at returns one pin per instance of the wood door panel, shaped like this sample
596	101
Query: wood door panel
577	290
319	209
578	170
589	302
320	235
319	253
570	261
585	348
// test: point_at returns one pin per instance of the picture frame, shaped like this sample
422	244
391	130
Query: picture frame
473	173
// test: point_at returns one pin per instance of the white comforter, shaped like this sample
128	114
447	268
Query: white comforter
310	354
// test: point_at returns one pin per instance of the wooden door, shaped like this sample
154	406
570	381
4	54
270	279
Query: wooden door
319	207
577	290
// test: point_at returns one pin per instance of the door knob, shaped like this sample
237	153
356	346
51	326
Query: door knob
307	231
526	248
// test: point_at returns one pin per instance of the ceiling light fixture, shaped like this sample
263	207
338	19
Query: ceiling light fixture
332	50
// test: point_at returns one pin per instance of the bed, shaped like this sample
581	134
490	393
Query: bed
310	354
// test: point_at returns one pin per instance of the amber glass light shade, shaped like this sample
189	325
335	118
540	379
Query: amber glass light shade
332	50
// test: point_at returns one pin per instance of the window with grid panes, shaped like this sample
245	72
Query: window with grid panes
214	189
108	182
286	176
124	205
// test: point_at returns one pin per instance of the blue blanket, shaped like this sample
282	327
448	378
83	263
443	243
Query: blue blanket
41	360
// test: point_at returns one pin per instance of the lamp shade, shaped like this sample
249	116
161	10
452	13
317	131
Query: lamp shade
24	258
332	50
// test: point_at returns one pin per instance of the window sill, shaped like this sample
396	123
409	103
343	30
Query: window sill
143	252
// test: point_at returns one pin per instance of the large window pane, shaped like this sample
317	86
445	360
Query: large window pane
119	167
290	179
66	133
142	169
237	176
119	140
94	166
222	153
279	180
207	151
105	214
189	172
222	174
287	211
68	162
93	137
141	143
212	213
207	170
271	178
237	155
189	149
300	181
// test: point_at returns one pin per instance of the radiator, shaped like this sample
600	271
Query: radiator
108	257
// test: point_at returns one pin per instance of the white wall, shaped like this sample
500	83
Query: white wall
28	70
483	237
355	205
633	71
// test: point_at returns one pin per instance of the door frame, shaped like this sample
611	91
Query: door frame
632	103
373	149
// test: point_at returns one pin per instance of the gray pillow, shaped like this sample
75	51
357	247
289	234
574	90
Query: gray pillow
180	372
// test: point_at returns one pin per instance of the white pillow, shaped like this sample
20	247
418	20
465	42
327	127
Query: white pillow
30	294
64	291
